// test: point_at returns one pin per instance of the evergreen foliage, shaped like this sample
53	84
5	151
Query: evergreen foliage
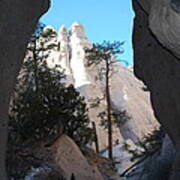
44	107
119	118
105	55
54	109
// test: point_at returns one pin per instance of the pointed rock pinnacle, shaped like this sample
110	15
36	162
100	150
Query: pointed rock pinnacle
63	33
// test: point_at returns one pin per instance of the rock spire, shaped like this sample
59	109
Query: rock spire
79	41
70	54
64	50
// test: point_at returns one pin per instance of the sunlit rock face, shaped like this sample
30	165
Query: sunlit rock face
126	94
60	53
64	50
126	90
79	41
70	159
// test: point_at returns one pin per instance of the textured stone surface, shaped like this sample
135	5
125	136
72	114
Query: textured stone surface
146	4
64	55
126	94
175	4
126	90
78	42
164	21
159	69
18	19
70	159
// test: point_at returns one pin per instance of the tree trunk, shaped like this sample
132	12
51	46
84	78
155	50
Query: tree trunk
96	137
17	21
108	101
35	68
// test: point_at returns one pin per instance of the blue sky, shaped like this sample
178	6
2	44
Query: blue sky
102	19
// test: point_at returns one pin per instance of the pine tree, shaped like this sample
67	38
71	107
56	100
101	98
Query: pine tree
46	107
105	55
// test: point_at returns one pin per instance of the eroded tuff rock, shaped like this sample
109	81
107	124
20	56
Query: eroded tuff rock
164	22
70	159
78	42
159	68
126	90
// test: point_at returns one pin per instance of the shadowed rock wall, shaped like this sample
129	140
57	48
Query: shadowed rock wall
159	69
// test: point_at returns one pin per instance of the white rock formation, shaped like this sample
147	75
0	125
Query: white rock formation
126	90
70	54
61	54
64	50
78	42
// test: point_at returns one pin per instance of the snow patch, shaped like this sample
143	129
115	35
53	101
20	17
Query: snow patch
125	95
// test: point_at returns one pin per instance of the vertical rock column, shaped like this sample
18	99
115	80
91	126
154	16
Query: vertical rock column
78	42
64	50
60	55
